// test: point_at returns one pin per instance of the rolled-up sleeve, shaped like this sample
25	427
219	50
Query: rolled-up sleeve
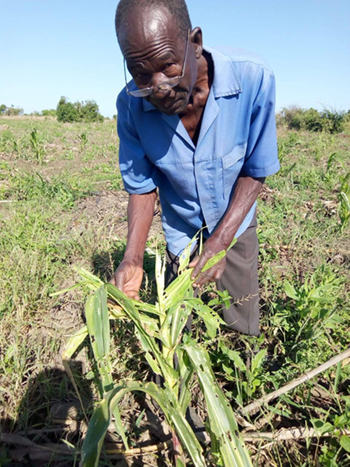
261	156
138	173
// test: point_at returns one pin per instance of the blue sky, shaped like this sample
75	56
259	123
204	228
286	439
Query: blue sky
51	48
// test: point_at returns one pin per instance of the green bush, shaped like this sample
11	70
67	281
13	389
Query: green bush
66	112
87	111
313	120
335	120
290	117
49	113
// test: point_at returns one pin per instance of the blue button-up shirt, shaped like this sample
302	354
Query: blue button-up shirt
196	183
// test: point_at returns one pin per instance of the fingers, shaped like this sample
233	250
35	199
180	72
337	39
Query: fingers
204	278
133	294
120	280
193	262
198	264
127	278
211	275
112	281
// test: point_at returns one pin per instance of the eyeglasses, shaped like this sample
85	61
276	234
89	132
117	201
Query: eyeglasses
165	86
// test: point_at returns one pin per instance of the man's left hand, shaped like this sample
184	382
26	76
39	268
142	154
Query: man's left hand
211	247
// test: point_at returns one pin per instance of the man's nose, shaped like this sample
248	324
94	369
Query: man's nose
159	79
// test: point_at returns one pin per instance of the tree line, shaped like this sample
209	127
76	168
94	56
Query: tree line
327	120
65	111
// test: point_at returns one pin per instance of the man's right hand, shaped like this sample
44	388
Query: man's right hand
128	278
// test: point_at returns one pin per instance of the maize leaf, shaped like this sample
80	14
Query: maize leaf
148	342
186	372
74	343
101	418
211	319
186	254
160	271
218	257
176	291
222	421
97	320
180	318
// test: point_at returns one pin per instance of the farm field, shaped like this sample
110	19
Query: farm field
62	206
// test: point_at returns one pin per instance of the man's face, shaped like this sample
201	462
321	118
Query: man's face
154	51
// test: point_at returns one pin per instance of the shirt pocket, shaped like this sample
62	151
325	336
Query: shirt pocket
232	164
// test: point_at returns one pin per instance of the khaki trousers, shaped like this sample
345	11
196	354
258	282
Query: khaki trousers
240	279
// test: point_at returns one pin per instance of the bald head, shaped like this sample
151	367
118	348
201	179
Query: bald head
125	14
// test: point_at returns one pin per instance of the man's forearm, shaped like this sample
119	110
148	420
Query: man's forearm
245	194
140	216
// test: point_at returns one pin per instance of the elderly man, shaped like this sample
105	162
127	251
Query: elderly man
198	125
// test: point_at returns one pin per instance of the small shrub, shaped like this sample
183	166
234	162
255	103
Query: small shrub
78	112
335	121
313	120
49	113
66	112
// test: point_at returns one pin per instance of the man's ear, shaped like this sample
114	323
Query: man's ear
196	37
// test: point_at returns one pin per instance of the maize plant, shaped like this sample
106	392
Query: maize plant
37	146
164	323
344	210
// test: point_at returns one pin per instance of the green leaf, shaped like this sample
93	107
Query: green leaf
160	268
258	360
97	319
222	421
186	372
74	343
186	254
177	290
321	426
180	317
232	243
290	291
218	257
345	443
98	426
234	356
211	319
214	260
147	341
101	418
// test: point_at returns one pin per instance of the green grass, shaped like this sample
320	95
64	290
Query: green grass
63	206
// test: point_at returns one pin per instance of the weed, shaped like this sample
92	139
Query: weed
248	377
311	309
30	186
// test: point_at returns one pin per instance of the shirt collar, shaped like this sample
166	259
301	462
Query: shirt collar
226	81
